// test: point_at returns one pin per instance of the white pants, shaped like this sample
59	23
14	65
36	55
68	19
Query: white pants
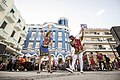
75	57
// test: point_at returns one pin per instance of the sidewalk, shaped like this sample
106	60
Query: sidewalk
30	75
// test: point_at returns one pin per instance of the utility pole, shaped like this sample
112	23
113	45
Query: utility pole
113	51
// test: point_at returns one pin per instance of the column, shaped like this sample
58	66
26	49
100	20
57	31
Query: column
63	39
36	36
27	39
56	39
67	37
41	40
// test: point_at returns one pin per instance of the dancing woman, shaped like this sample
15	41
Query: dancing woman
44	49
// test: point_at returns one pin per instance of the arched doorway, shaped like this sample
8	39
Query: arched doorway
60	59
68	59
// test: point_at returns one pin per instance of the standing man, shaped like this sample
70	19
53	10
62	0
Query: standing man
78	53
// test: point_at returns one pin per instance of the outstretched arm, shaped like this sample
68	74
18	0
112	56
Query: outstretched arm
80	34
43	34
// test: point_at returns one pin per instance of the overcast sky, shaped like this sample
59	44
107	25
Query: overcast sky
94	13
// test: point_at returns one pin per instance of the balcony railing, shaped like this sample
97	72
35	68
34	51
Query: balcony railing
97	35
3	34
98	41
11	17
19	46
23	33
12	41
98	49
3	5
18	27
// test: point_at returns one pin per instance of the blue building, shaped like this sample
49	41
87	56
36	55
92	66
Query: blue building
60	48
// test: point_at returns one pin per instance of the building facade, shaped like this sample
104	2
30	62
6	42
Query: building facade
60	48
99	39
12	28
115	30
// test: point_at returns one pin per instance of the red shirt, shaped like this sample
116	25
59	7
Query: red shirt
22	60
77	45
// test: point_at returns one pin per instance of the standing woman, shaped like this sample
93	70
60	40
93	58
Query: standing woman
44	49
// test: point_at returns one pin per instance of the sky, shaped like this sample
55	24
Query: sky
94	13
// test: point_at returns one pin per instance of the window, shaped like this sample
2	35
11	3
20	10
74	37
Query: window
30	45
13	33
33	35
60	34
96	33
3	25
65	45
19	40
37	45
100	46
12	11
19	20
60	45
34	28
24	28
107	33
60	21
60	28
39	36
110	39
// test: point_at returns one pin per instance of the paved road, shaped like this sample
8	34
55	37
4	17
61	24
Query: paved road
60	75
88	76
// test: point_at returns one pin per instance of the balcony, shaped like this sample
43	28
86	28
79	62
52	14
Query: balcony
98	42
3	34
97	35
18	27
98	49
12	41
3	5
11	17
24	33
18	47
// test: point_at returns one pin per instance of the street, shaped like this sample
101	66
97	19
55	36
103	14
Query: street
63	75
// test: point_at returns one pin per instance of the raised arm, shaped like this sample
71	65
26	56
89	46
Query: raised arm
80	34
43	34
51	42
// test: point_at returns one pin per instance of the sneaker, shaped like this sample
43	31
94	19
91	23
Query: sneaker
81	71
70	70
13	70
17	70
43	70
25	69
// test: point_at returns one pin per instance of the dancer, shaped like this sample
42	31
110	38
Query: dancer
78	53
44	49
